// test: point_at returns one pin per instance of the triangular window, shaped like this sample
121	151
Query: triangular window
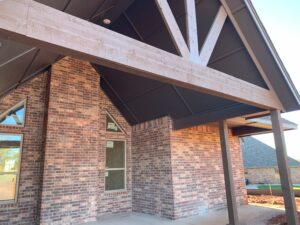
15	116
111	124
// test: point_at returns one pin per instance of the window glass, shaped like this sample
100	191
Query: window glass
114	180
111	124
115	154
14	116
115	165
10	152
8	187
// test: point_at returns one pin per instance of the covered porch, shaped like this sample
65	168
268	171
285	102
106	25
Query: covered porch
152	68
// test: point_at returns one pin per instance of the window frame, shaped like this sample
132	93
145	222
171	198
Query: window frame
24	101
113	119
18	173
114	169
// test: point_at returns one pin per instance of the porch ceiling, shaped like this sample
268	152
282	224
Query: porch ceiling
19	62
141	99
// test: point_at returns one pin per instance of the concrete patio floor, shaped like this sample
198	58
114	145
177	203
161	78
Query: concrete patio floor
249	215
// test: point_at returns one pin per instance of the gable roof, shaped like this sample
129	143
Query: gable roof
140	99
257	154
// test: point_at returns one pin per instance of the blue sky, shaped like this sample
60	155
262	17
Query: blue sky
281	19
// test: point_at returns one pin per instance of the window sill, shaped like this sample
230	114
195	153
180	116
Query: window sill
9	203
117	192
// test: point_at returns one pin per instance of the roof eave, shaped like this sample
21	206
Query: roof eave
273	51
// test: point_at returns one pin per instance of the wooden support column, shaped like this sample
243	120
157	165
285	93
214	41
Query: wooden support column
228	176
284	171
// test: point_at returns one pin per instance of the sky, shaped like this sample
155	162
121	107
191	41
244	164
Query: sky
281	19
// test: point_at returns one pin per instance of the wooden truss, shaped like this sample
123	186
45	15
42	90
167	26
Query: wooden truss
90	42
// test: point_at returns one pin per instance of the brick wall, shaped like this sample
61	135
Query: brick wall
115	201
170	173
152	169
25	211
73	184
198	178
193	159
295	173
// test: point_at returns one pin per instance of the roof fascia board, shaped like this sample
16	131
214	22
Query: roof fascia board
272	49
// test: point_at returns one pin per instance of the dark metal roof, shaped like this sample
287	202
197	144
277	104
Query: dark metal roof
141	99
257	154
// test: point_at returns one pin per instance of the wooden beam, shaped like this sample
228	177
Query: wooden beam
173	28
284	171
192	33
228	174
81	39
237	27
248	130
224	112
212	36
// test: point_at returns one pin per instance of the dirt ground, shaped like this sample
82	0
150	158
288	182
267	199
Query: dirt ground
273	202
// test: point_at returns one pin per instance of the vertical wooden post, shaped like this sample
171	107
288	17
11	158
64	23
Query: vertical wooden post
228	176
191	27
284	171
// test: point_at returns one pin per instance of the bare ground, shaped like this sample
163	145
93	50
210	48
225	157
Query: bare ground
272	202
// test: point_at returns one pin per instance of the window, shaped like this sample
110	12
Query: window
10	157
115	171
14	116
111	124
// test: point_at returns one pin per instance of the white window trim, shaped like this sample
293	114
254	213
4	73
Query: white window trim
18	173
112	169
24	101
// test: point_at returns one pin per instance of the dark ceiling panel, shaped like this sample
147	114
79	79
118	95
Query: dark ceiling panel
228	41
222	113
10	49
42	60
157	103
161	39
206	12
200	102
178	9
57	4
84	9
127	85
148	24
240	65
11	73
146	17
124	27
112	10
115	98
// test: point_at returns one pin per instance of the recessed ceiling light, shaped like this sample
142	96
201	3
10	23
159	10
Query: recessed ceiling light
106	21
